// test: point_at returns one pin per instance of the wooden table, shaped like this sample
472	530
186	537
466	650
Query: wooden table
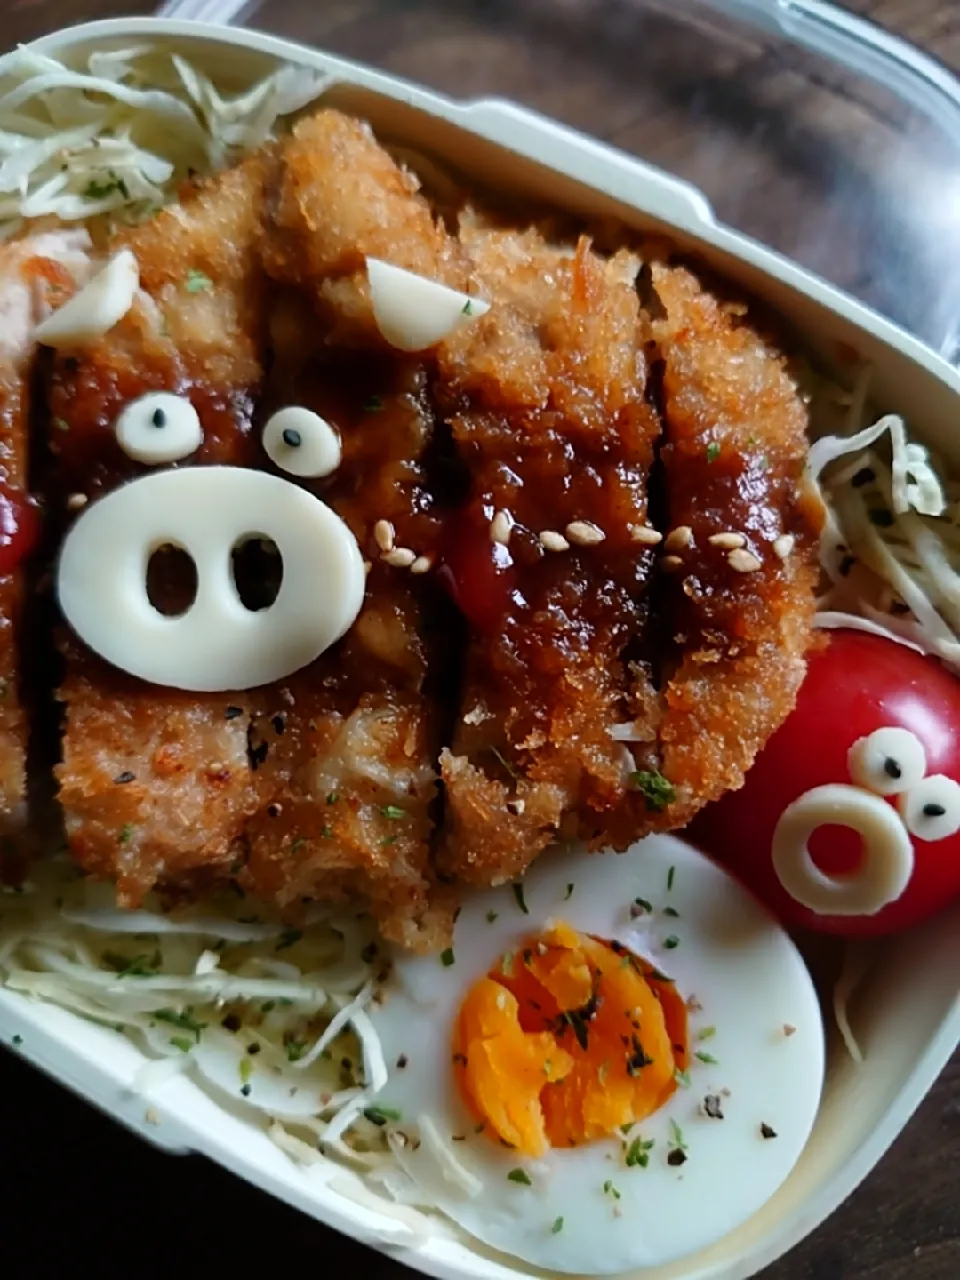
73	1185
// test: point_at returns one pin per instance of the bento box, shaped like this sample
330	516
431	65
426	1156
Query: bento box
905	1012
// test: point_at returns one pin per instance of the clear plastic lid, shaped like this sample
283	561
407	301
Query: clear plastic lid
805	126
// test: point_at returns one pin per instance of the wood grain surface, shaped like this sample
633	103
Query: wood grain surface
835	173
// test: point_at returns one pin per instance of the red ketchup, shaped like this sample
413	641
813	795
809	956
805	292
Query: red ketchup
19	528
478	573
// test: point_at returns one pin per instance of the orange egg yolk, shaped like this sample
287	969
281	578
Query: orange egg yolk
566	1040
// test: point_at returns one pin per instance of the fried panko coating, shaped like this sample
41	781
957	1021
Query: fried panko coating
741	595
197	331
545	398
350	744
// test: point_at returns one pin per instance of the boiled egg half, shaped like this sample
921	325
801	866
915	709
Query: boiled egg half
613	1066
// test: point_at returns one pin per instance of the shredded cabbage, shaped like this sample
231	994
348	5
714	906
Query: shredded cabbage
116	136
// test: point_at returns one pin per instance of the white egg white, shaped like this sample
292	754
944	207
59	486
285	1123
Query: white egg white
753	1009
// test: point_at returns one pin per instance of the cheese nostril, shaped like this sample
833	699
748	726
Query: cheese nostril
836	851
257	571
171	581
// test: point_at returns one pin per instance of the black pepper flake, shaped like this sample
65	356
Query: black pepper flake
279	724
933	810
402	1061
864	476
126	776
369	952
891	768
245	1090
258	755
676	1158
767	1132
346	1064
231	1023
273	811
637	1060
713	1107
233	712
460	1059
846	564
17	1041
253	1050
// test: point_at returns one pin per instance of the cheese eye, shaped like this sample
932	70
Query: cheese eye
931	809
301	443
888	762
159	428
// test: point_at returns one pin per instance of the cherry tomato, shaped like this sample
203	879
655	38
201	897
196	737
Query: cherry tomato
477	572
855	686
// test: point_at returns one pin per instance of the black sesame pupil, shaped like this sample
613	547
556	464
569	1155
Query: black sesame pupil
158	418
933	810
292	438
891	768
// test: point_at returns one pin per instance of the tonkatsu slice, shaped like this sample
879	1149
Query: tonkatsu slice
37	274
545	397
349	745
741	552
156	784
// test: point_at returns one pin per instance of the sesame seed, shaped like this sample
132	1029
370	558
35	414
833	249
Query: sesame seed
422	564
789	1030
672	562
550	540
729	541
151	1116
743	561
583	533
643	534
679	539
399	557
784	545
384	534
77	501
501	526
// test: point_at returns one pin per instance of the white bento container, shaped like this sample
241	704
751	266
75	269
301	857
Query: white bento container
907	1013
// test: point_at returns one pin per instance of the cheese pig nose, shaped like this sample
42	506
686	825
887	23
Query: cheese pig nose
217	643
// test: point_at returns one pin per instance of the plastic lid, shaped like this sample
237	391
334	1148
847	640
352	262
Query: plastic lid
804	126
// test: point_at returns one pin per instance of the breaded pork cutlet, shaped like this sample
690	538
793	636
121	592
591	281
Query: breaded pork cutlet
743	565
36	274
349	745
156	784
545	398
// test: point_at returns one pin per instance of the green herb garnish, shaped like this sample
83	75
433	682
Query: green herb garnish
610	1190
638	1153
142	966
676	1136
657	792
569	894
713	452
289	938
295	1049
682	1078
521	1176
197	282
98	190
706	1033
124	834
671	943
708	1058
181	1020
246	1070
557	1226
381	1115
447	957
393	812
61	424
671	876
182	1043
521	901
333	797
